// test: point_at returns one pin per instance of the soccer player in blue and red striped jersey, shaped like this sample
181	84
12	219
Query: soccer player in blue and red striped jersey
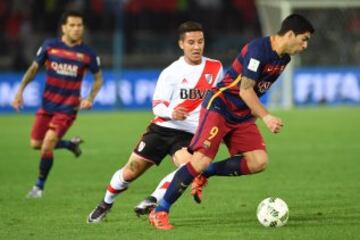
65	59
229	113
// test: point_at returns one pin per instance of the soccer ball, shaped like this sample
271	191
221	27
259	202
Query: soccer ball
272	212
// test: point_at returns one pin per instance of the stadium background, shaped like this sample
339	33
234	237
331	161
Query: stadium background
135	43
314	162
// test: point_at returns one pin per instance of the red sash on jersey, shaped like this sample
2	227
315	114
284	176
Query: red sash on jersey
71	55
211	68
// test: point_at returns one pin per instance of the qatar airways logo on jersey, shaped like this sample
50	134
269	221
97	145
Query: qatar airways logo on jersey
192	93
263	86
65	69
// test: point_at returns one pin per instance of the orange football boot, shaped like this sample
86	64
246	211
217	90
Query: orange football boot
197	187
160	220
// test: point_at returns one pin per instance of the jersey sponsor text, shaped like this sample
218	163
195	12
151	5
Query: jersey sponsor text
192	93
65	69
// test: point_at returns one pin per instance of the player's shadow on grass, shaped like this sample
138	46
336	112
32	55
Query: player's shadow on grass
233	218
321	219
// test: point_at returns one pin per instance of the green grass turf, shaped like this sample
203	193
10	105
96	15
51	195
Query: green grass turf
314	167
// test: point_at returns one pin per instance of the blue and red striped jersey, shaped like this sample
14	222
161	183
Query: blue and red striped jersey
257	61
65	69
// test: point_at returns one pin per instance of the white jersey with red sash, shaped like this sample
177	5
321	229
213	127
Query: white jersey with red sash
184	85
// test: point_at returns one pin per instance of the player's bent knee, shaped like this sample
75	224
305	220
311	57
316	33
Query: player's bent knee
35	144
257	161
181	157
200	162
129	175
48	146
261	164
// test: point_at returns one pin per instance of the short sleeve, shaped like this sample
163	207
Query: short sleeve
41	54
94	65
252	65
220	75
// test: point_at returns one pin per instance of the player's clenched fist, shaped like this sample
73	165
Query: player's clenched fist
17	103
179	114
274	124
85	104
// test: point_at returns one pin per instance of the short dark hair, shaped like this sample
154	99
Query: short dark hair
296	23
71	13
189	26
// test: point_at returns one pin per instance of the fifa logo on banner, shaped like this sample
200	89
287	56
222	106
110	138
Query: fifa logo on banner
192	93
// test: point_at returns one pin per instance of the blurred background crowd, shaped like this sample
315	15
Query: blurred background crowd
148	37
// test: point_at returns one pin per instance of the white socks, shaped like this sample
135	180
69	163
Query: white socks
160	190
116	186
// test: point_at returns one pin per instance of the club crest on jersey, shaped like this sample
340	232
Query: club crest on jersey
208	77
206	144
64	69
80	56
192	93
141	146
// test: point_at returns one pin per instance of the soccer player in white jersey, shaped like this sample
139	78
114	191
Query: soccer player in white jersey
176	105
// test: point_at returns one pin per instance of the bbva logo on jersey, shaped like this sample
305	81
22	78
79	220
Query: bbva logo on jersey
192	93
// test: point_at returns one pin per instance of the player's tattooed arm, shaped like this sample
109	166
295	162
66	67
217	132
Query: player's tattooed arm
249	96
247	83
27	78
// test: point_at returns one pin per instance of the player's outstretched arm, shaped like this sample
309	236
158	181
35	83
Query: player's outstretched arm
88	102
27	78
248	95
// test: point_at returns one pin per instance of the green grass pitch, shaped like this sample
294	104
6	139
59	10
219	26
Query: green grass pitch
314	166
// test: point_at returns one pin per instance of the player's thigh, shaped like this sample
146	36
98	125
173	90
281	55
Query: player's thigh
152	146
209	133
244	137
61	123
40	127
